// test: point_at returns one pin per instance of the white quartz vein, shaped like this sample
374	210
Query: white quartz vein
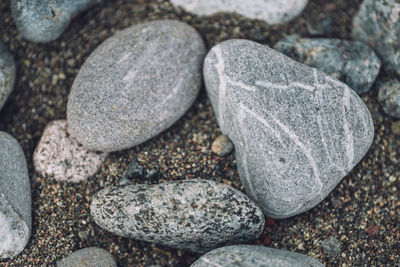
348	134
267	84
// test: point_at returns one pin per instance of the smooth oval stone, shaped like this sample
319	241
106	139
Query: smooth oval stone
15	198
297	131
88	257
135	85
7	74
389	97
254	256
194	215
45	20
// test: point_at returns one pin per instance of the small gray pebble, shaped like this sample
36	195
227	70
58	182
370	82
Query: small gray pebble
222	145
7	74
331	246
88	257
134	170
389	97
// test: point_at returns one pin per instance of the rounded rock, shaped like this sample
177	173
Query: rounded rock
222	145
7	74
389	97
88	257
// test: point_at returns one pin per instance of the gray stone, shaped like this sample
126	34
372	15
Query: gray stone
135	85
7	74
222	145
297	131
352	62
194	215
45	20
88	257
254	256
15	198
377	24
331	246
271	11
389	97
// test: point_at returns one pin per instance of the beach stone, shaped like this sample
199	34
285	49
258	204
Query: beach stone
193	215
7	74
44	21
352	62
377	24
15	198
389	97
297	131
222	145
60	155
135	85
255	256
271	11
332	246
88	257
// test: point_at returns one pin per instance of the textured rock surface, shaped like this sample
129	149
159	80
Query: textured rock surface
45	20
377	24
15	198
88	257
271	11
135	85
7	74
352	62
222	145
389	97
194	215
255	256
297	131
331	246
59	155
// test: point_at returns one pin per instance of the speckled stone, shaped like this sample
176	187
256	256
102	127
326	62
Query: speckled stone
135	85
297	131
45	20
271	11
194	215
254	256
377	24
59	155
88	257
7	74
332	246
15	198
222	145
389	97
352	62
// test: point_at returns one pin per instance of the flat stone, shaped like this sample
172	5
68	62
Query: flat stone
271	11
352	62
194	215
297	131
135	85
60	155
88	257
45	20
15	198
332	246
255	256
222	145
389	97
7	74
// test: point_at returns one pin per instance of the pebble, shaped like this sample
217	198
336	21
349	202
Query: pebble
193	215
331	246
44	21
88	257
297	131
396	127
135	85
222	145
352	62
134	171
389	97
59	155
15	198
255	256
7	74
377	24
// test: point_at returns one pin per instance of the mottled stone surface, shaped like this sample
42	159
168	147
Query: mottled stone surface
194	215
45	20
15	198
135	85
332	246
7	74
271	11
59	155
254	256
222	145
377	24
88	257
297	131
352	62
389	97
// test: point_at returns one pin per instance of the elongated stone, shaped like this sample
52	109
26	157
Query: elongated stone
7	74
88	257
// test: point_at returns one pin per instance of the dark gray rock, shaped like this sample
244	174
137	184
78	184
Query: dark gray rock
45	20
7	74
15	198
352	62
134	171
377	24
88	257
331	246
135	85
297	131
254	256
194	215
389	97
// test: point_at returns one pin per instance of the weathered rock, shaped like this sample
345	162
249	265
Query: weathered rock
88	257
7	74
134	171
15	198
352	62
194	215
297	131
377	24
222	145
271	11
331	246
59	155
45	20
389	97
255	256
135	85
